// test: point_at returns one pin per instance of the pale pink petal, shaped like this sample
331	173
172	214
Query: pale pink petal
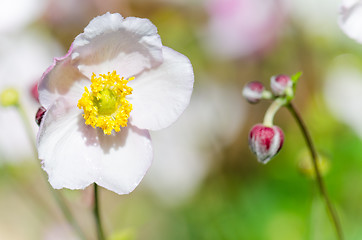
68	147
161	94
111	42
61	79
126	157
351	19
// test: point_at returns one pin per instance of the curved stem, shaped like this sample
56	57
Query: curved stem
271	111
57	196
97	215
320	183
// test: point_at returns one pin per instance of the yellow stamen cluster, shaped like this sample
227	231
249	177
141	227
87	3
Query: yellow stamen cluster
106	106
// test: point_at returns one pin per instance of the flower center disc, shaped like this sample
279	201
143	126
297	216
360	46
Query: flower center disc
106	106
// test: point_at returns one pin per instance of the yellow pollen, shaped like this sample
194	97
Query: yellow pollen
105	104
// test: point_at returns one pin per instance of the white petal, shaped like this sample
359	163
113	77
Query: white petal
61	79
68	147
351	19
111	42
160	95
126	157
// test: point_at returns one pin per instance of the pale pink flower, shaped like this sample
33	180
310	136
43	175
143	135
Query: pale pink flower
160	82
350	19
239	28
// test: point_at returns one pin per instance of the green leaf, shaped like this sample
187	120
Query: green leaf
296	77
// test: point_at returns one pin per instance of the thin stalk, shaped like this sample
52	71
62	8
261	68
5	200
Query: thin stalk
97	217
320	182
57	196
28	128
272	110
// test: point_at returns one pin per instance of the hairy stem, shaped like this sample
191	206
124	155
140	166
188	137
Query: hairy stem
320	182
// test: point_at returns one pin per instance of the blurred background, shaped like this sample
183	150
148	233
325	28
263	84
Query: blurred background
204	183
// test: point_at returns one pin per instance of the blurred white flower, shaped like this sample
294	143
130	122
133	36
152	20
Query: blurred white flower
212	121
350	19
96	126
239	28
315	17
23	58
17	14
343	91
60	232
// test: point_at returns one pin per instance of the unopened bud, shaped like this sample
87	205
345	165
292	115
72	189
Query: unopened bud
306	166
253	91
9	97
34	91
39	115
265	142
280	83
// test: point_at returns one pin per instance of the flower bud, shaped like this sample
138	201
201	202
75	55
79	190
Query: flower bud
39	115
306	166
34	91
9	97
265	142
253	91
280	83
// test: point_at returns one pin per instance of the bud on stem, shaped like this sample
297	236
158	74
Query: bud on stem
265	142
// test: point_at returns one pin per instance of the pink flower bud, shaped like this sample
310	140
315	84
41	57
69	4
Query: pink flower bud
34	91
253	91
39	115
280	83
265	142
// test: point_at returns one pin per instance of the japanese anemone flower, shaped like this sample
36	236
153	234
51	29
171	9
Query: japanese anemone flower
115	83
350	19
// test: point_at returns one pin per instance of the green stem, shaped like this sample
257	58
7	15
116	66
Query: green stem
320	182
57	196
28	128
270	113
97	217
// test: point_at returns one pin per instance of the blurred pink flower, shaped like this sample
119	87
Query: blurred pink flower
67	16
350	19
23	57
79	149
238	28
